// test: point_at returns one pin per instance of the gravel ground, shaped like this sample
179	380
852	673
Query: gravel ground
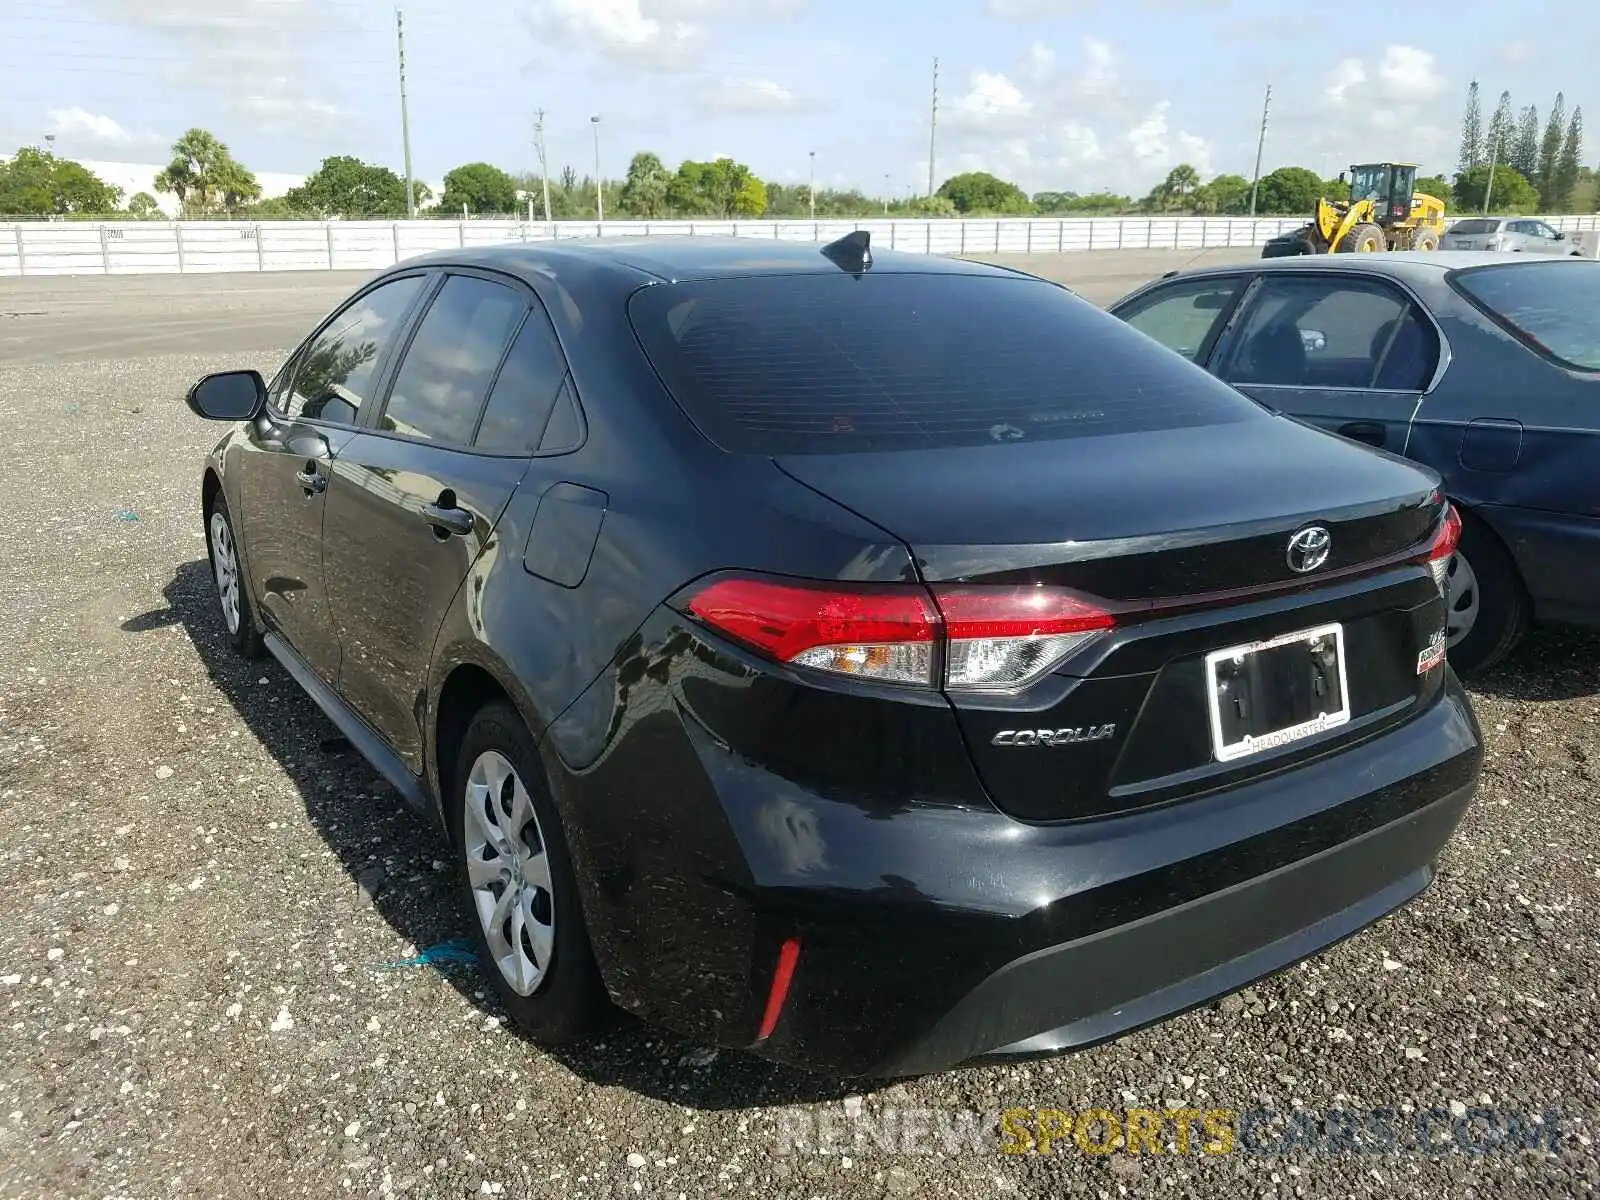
203	913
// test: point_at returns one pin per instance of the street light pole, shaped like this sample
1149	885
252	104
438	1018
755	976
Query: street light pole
886	193
813	185
599	199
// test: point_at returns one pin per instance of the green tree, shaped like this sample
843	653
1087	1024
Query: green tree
750	200
1564	179
1435	185
1550	145
1512	193
273	208
1502	137
1224	194
1524	154
980	192
143	206
644	192
347	187
1471	152
205	176
36	183
1290	190
479	188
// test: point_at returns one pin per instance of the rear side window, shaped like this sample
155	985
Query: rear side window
440	387
1323	331
837	363
1554	307
1476	225
525	392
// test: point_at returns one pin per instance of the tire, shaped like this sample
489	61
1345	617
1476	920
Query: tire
539	958
233	597
1488	609
1424	239
1363	238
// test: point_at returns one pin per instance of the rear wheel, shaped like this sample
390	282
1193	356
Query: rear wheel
1363	238
518	883
1487	608
1425	239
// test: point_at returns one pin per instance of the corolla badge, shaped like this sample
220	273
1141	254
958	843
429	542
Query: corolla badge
1309	549
1070	736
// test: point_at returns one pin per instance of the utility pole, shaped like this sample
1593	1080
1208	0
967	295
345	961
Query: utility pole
1488	184
405	121
1266	106
813	185
886	193
599	200
544	169
933	127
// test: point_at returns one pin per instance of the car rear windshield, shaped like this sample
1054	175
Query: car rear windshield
1476	225
838	363
1552	306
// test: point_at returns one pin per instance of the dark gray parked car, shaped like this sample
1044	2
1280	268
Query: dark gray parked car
1485	367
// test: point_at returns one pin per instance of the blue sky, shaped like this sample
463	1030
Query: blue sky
1061	94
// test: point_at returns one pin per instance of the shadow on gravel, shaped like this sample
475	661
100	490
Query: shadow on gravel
1554	662
389	853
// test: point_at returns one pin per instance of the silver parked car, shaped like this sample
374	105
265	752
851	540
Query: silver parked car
1526	235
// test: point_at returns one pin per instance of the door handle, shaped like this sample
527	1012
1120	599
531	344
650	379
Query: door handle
448	519
311	479
1371	432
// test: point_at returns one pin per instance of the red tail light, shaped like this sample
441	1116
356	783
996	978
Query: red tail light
985	639
1444	545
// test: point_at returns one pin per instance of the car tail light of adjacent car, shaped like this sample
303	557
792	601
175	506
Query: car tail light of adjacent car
1443	546
964	638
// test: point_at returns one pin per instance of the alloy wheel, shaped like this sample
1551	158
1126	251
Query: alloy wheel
225	564
509	872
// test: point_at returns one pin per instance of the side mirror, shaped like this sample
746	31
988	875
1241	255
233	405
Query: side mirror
1560	237
228	396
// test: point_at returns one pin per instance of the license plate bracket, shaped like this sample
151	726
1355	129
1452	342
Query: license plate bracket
1267	694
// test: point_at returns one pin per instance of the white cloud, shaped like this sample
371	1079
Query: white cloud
990	94
1081	126
1148	139
1408	75
748	96
78	129
253	52
1348	74
650	35
1389	105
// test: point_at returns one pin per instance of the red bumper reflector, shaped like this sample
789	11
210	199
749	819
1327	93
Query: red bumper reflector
782	976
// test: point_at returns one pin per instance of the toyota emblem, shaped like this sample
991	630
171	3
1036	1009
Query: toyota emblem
1309	549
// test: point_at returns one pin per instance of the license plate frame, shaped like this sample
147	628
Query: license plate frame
1252	744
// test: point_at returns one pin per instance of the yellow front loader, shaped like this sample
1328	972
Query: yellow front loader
1384	212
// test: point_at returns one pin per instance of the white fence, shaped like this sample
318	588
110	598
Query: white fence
148	247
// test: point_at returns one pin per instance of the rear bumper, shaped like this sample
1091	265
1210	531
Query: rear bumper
936	936
1088	991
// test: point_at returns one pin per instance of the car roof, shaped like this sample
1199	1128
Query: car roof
1404	264
676	259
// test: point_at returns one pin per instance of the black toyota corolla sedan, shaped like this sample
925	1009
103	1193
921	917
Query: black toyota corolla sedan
877	662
